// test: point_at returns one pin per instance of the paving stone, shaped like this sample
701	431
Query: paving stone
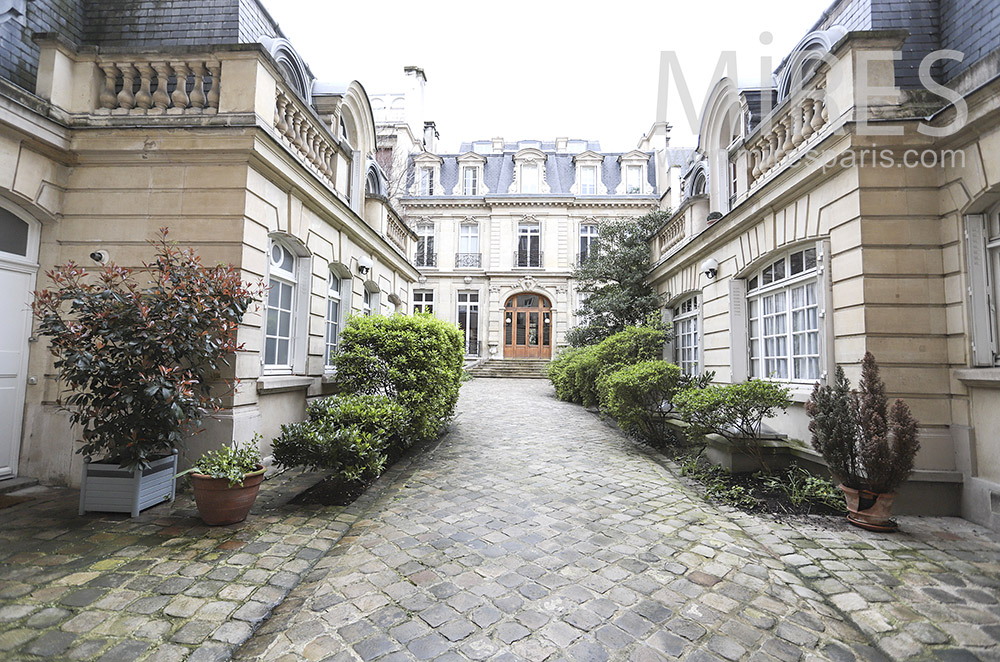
51	644
127	651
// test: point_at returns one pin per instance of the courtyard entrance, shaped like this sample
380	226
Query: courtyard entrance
527	327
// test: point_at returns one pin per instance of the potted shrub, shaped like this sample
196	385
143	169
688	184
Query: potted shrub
141	365
226	482
868	446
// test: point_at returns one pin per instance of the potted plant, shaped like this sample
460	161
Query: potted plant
868	446
141	365
226	482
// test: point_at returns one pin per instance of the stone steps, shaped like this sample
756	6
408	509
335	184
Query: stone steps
511	369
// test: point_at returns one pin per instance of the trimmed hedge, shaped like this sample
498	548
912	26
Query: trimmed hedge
575	372
347	434
638	397
416	360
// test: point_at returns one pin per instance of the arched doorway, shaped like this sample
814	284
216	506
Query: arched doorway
527	327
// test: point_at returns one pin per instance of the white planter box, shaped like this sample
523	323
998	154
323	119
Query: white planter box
108	488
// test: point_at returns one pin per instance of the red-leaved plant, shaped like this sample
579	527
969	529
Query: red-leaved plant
142	364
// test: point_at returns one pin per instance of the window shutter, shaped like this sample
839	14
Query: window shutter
824	304
667	315
981	307
739	350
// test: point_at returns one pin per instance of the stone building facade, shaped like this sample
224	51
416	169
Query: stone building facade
250	161
820	219
502	224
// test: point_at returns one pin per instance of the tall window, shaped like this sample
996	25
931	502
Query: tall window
470	180
982	233
732	184
427	181
333	313
529	241
588	180
686	338
633	179
784	319
369	303
468	320
468	246
280	308
425	257
588	239
423	301
529	178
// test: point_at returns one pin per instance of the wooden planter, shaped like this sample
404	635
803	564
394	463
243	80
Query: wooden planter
109	488
870	510
219	504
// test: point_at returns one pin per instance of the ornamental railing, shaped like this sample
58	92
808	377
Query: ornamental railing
425	260
528	258
468	260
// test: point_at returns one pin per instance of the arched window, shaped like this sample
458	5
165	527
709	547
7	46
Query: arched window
13	234
686	335
279	331
700	184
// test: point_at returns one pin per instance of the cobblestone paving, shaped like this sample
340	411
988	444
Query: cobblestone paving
162	587
534	531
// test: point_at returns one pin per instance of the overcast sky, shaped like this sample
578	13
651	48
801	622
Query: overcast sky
536	69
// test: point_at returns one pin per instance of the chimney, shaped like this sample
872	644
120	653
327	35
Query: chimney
416	80
430	136
498	144
561	144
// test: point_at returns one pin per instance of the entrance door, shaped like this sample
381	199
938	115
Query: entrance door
527	327
17	279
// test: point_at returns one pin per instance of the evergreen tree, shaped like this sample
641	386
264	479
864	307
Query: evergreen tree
613	280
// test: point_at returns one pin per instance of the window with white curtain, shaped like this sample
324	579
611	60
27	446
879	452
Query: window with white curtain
280	309
687	338
334	312
783	318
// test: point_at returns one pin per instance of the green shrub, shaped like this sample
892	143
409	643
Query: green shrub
733	411
347	434
230	462
638	397
576	372
415	360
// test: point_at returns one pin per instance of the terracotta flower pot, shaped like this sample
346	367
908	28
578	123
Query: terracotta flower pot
219	504
869	510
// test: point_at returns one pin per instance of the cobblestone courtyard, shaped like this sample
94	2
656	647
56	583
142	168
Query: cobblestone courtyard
532	531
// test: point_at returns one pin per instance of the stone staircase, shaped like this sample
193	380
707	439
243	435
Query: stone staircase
512	368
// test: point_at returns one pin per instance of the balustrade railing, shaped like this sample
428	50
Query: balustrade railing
671	234
305	134
787	131
396	232
141	86
468	260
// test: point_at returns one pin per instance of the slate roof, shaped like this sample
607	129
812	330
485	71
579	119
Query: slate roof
560	171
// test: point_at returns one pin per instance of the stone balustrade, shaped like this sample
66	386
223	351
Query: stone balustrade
787	132
305	134
671	234
396	232
135	85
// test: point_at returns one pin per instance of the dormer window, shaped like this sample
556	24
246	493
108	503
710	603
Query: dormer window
633	174
529	172
529	178
470	180
426	181
588	180
633	180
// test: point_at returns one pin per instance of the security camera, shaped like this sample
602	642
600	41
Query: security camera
100	257
710	268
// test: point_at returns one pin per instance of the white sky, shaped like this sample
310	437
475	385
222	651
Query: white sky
537	69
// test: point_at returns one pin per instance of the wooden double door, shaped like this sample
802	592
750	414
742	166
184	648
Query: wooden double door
527	330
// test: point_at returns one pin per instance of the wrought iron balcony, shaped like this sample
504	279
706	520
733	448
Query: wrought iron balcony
425	260
528	258
468	260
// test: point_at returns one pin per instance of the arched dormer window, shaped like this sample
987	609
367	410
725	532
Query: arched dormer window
699	185
806	58
375	181
293	69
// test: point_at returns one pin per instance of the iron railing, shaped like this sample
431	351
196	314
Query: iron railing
472	260
425	260
528	258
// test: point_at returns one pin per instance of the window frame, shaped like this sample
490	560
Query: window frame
297	302
470	188
524	228
629	189
687	327
333	296
588	237
426	180
468	303
780	291
423	301
427	257
584	184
